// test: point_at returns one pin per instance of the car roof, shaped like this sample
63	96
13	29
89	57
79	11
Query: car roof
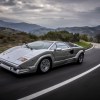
52	41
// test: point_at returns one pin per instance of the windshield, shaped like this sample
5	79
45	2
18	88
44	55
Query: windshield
39	45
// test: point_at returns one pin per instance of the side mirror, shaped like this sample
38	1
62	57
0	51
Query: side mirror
58	49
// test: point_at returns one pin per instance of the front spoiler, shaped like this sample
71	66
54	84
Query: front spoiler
14	67
17	71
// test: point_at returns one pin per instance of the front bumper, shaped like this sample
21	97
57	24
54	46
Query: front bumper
10	66
12	69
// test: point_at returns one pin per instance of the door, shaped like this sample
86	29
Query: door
62	52
74	47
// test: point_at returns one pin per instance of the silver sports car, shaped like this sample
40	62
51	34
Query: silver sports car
40	56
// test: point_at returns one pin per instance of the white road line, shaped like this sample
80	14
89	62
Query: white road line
39	93
90	48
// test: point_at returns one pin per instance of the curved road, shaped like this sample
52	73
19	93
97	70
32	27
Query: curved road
13	87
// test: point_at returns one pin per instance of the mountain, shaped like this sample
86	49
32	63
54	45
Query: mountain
8	30
39	30
82	30
25	27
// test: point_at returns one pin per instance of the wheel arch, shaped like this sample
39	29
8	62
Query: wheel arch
49	56
80	52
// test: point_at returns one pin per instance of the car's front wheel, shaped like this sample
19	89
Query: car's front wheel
44	65
80	58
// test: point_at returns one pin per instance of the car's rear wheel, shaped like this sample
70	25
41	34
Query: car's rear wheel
44	65
80	58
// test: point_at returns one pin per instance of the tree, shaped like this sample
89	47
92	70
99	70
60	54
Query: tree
84	37
91	38
97	38
76	37
58	35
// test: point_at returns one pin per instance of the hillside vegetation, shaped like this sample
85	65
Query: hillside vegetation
9	40
84	44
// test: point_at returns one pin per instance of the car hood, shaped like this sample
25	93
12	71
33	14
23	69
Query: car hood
19	55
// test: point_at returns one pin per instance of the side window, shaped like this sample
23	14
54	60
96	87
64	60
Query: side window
53	47
61	45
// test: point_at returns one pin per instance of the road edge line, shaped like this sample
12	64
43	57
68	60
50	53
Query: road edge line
90	48
47	90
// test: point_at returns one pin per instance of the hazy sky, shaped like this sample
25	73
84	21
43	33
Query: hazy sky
52	13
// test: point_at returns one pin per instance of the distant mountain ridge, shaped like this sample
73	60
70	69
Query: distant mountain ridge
39	30
25	27
82	30
8	30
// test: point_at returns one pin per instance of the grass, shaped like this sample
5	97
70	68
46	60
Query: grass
84	44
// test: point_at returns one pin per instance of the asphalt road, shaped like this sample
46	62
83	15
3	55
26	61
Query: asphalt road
13	87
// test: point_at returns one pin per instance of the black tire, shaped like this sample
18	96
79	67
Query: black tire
44	65
80	58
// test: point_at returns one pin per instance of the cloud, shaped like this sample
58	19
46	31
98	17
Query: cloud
52	13
97	10
8	2
32	6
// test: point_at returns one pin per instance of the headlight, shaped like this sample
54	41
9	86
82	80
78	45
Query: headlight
22	59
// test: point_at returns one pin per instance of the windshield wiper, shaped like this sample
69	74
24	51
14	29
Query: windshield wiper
26	44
